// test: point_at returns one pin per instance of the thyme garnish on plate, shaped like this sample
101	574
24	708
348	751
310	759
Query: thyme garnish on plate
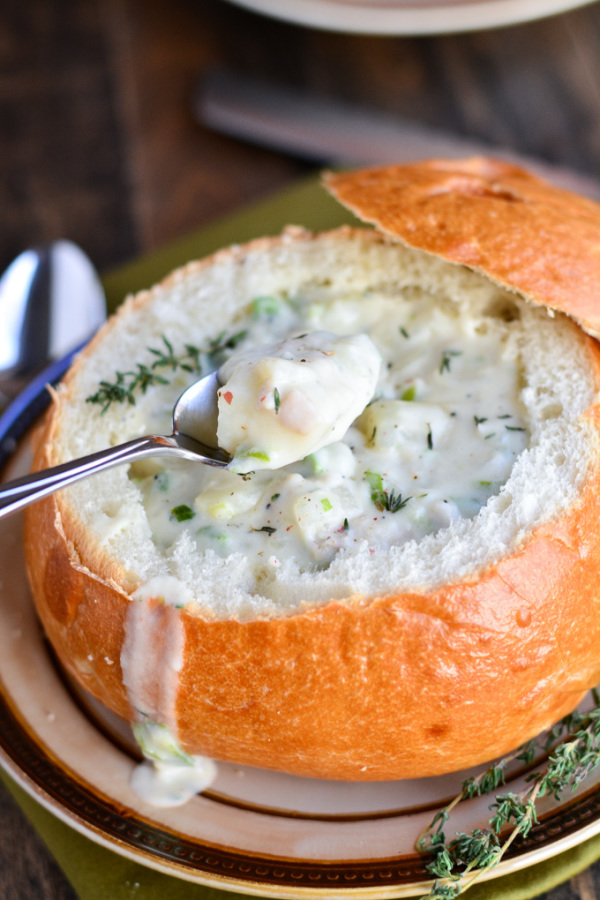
458	862
126	384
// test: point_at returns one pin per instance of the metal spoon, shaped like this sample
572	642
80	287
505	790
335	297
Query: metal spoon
194	438
51	301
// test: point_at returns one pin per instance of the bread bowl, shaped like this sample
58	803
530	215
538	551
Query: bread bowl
419	656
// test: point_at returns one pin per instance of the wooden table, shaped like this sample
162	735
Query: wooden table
98	143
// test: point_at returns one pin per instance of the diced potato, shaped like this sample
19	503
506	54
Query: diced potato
392	423
318	514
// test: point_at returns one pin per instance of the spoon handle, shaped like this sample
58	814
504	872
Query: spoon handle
19	493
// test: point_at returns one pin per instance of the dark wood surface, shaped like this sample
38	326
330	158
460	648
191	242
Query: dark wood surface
98	143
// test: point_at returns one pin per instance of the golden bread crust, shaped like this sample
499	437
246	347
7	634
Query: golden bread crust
495	218
385	687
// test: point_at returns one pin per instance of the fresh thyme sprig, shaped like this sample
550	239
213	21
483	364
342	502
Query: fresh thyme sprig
124	387
189	360
127	384
222	343
390	501
457	863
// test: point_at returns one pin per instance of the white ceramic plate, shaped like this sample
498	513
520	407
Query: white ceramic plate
408	16
254	832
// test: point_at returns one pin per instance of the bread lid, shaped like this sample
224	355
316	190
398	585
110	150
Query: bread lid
493	217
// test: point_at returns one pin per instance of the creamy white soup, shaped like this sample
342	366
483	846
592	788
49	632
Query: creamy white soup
352	419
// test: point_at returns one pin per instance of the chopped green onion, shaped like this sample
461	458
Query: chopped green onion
265	307
375	482
157	742
182	513
313	461
211	532
258	454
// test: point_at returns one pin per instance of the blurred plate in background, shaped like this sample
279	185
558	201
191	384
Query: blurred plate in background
408	16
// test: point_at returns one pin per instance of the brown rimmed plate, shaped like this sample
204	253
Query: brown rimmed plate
253	832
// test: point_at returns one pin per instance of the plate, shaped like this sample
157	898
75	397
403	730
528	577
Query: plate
409	16
253	832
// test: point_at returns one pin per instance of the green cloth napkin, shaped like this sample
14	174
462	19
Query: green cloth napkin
97	873
305	203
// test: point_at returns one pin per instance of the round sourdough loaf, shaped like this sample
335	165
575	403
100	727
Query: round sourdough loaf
394	662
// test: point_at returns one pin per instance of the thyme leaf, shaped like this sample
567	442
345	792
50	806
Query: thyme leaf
429	437
446	357
222	342
393	502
